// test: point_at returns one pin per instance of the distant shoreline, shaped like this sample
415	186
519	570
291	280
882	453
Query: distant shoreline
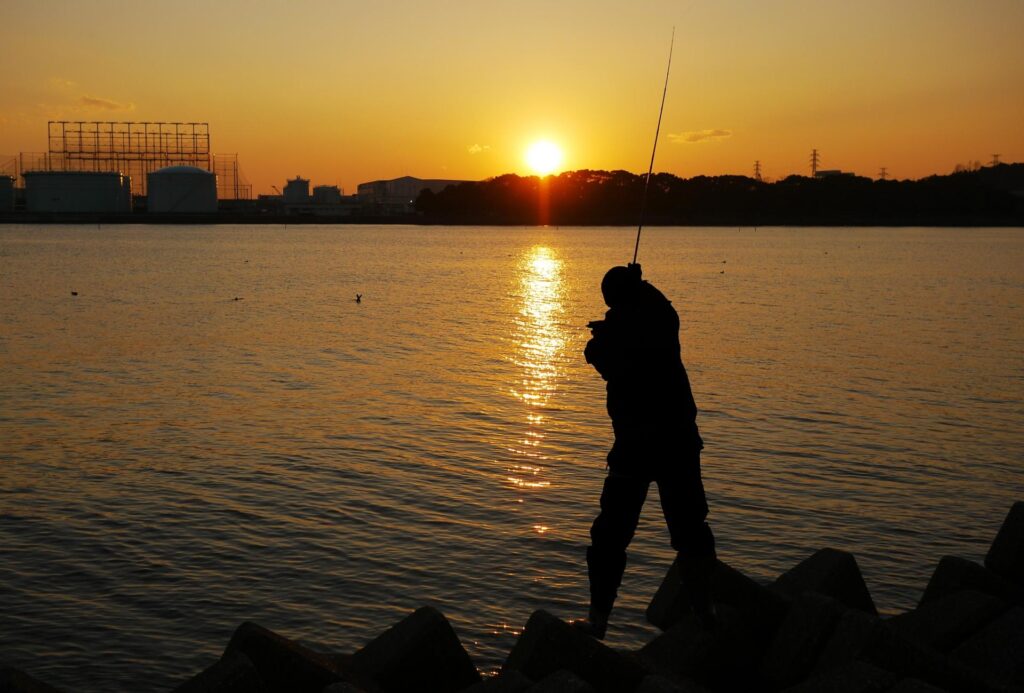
244	220
987	197
229	219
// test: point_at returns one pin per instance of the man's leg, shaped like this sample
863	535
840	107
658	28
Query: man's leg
686	509
622	498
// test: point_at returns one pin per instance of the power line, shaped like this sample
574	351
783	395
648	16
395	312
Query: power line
757	170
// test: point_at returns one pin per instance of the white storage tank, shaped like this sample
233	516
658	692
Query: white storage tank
182	190
77	191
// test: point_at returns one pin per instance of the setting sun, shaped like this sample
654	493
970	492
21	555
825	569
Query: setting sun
544	157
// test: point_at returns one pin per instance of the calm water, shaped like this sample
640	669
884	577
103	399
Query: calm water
175	461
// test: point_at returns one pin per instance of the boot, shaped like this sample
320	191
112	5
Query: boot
604	568
696	574
595	625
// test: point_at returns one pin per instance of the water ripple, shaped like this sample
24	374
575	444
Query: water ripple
176	462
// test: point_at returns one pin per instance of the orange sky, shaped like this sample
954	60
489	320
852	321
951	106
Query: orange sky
345	92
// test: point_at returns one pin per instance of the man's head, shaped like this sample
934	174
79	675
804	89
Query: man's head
619	283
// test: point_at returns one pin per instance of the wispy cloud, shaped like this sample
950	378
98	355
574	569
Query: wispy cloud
105	104
699	136
477	148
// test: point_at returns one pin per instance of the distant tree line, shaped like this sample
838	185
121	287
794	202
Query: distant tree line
986	196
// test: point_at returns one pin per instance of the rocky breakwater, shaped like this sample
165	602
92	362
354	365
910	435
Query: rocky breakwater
814	629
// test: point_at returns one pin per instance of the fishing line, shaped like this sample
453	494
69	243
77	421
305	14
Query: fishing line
657	130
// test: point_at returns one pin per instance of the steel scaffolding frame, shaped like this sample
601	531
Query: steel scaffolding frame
9	166
133	148
231	182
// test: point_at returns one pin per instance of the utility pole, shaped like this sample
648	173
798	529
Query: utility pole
995	160
757	170
883	173
815	161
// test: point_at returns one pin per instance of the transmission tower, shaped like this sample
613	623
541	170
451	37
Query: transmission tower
883	173
757	170
815	161
995	160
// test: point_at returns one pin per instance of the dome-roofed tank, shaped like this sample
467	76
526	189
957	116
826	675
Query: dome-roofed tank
182	190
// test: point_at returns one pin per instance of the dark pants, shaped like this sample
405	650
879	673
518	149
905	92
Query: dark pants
682	501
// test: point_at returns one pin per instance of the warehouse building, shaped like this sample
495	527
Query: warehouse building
398	196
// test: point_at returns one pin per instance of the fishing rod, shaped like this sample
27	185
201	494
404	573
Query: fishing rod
657	131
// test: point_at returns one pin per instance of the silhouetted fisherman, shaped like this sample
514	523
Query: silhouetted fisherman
636	349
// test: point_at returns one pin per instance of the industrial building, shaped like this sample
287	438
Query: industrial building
398	196
831	173
6	193
296	191
182	190
327	195
96	167
179	151
132	148
100	192
326	201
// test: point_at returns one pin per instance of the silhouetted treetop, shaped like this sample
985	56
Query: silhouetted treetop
987	196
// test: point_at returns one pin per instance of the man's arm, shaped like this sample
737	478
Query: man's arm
606	349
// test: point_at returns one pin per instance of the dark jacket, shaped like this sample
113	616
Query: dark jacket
636	349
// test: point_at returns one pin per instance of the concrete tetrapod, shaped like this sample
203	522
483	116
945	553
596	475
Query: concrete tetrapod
283	665
1006	555
832	573
420	652
548	644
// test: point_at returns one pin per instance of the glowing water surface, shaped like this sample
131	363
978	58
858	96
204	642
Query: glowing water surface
175	461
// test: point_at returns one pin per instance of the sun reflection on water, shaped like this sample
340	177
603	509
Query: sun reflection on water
539	341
